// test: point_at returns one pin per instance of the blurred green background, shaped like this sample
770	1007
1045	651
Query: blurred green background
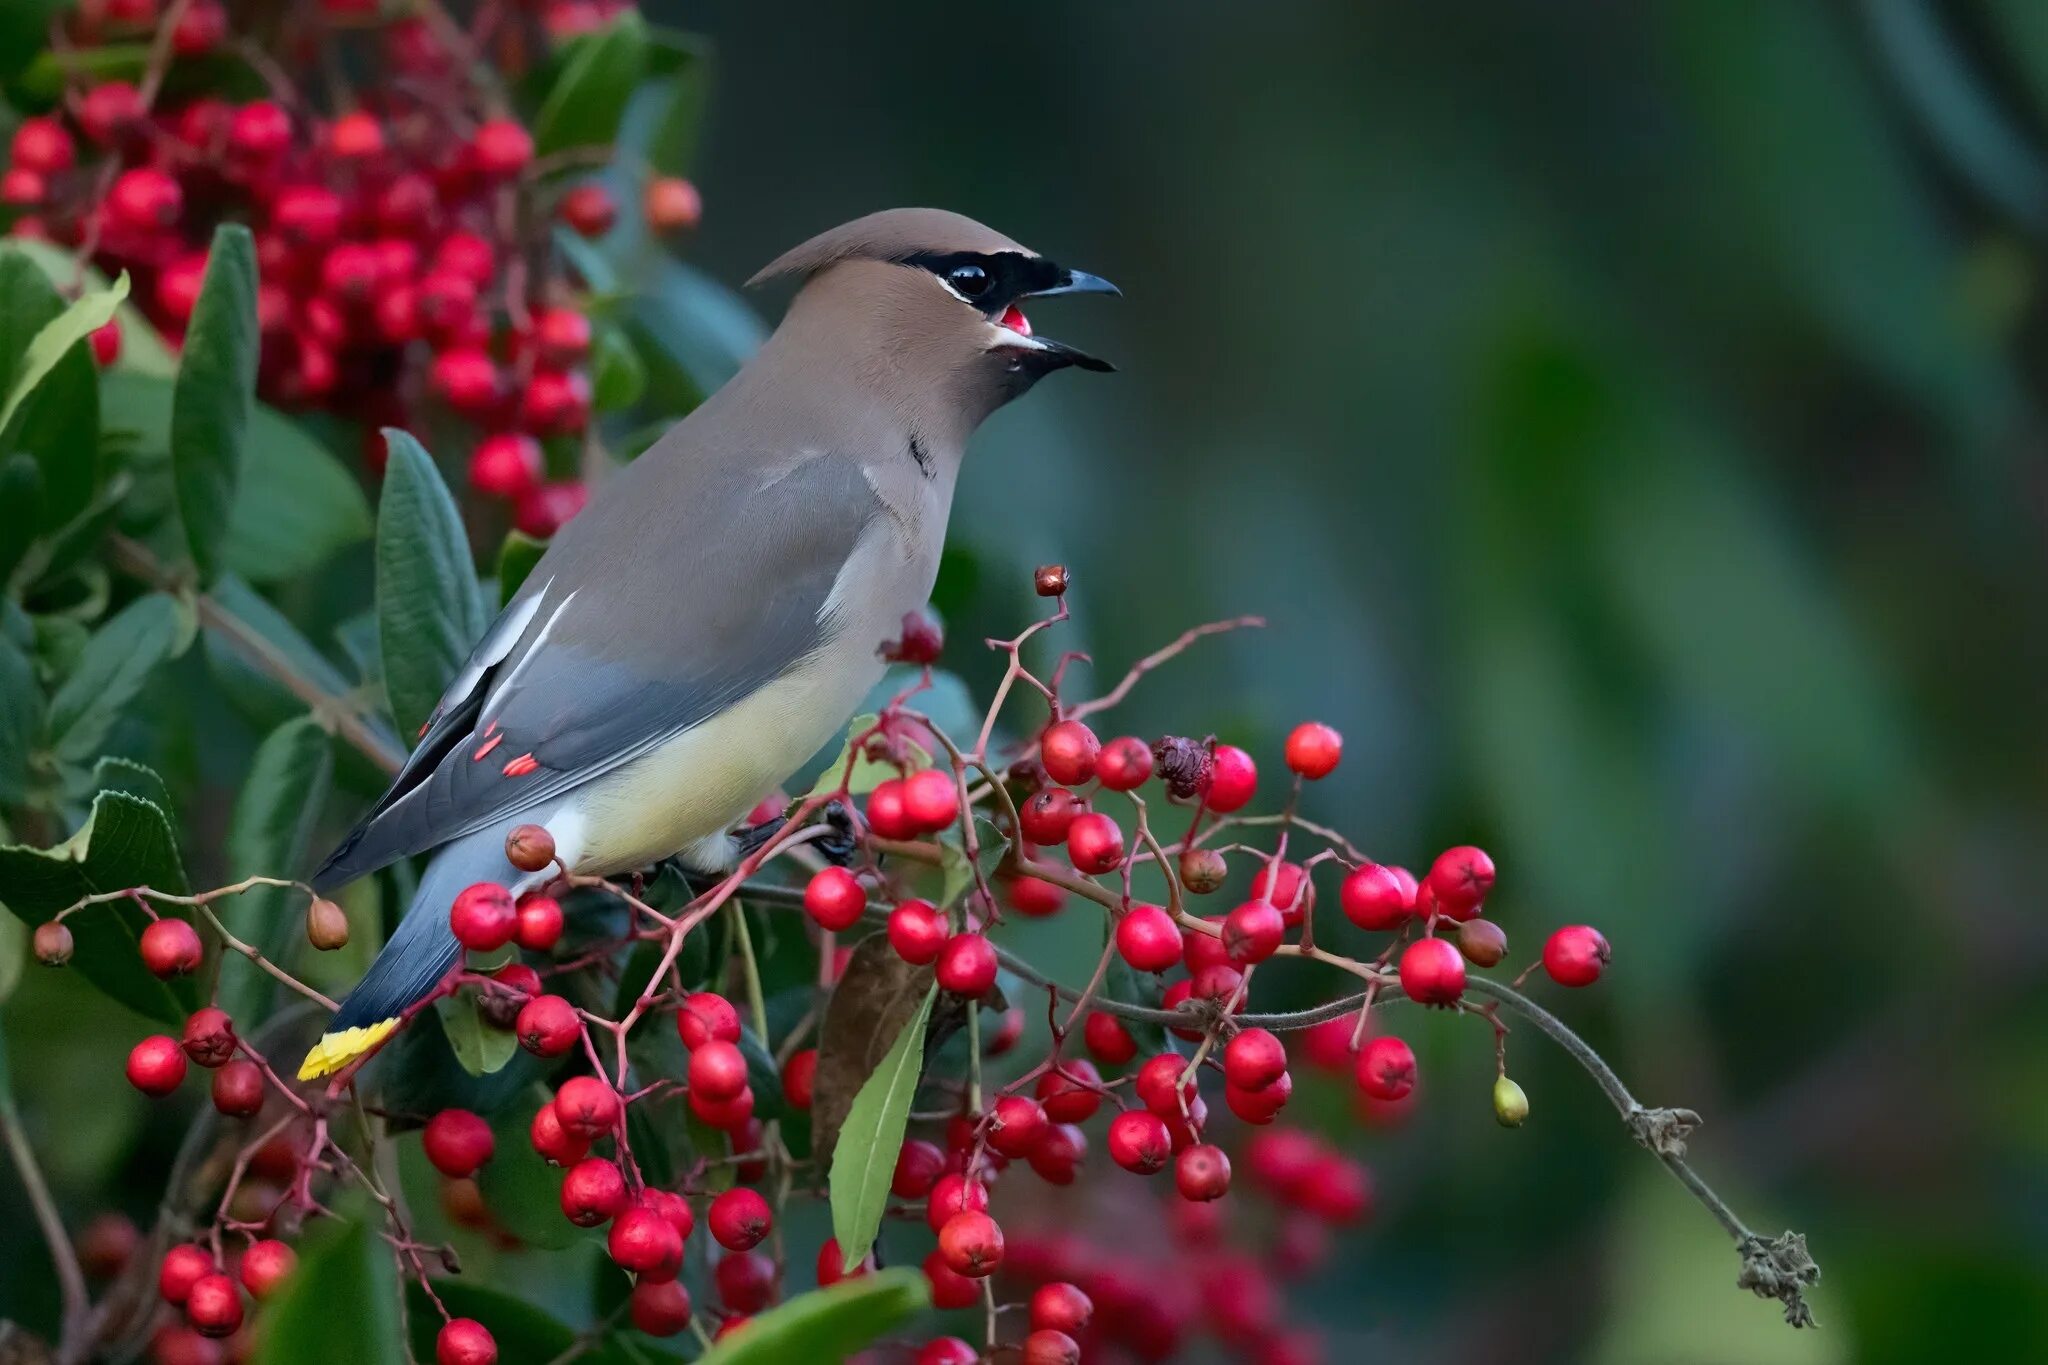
1628	416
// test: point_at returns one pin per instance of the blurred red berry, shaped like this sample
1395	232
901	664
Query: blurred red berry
237	1089
501	148
589	210
672	204
659	1308
265	1265
1386	1068
547	509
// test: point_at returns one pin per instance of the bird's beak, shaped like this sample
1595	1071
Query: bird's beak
1057	354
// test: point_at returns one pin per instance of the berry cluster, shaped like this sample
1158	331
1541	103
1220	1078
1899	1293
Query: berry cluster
402	228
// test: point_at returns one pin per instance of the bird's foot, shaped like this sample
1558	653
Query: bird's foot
840	844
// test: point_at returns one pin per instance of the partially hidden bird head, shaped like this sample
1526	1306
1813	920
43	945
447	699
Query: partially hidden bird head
925	299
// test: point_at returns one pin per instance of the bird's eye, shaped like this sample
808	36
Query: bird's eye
971	281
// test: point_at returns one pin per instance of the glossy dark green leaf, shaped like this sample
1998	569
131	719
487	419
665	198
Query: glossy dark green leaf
826	1326
296	506
21	720
864	1157
589	97
523	1191
516	558
21	492
340	1307
430	609
697	329
117	662
49	345
126	841
57	423
215	393
479	1049
268	835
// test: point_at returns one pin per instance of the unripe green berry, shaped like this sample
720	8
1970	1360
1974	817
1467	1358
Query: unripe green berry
1510	1104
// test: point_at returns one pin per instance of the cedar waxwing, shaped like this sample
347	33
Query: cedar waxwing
713	618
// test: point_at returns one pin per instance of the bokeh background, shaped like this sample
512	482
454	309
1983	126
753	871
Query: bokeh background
1629	416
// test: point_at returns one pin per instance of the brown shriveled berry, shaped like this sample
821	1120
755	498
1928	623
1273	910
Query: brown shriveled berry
1203	870
209	1037
1183	765
1050	580
326	925
1482	942
530	848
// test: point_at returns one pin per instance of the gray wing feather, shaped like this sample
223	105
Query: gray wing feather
648	625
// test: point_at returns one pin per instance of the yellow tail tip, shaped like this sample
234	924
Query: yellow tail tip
336	1050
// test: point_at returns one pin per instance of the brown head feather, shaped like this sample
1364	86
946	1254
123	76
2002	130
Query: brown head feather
890	235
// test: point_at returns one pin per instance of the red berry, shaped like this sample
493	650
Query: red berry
659	1308
1386	1068
177	287
1057	1155
1139	1142
739	1219
484	917
183	1266
200	29
547	509
156	1065
1060	1307
1124	764
1576	955
562	336
41	145
672	204
952	1194
1233	778
589	210
706	1017
53	943
465	1341
1148	938
746	1281
106	343
1108	1039
832	1264
128	13
1460	879
835	899
238	1089
519	980
931	799
718	1071
355	136
556	403
467	255
265	1265
644	1242
1046	815
556	1144
948	1350
1068	750
917	931
967	966
887	816
447	303
1375	897
1254	1059
673	1207
1283	888
1017	1122
501	148
1202	951
592	1191
540	923
950	1289
458	1142
799	1076
1094	843
259	131
1159	1085
22	188
171	947
214	1306
209	1037
588	1106
728	1115
1252	932
918	1165
1071	1092
110	112
1202	1172
467	378
972	1244
1047	1347
1313	749
1432	972
1034	896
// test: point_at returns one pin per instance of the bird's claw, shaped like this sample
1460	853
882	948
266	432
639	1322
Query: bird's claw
838	846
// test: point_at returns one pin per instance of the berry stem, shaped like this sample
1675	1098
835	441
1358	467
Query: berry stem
63	1256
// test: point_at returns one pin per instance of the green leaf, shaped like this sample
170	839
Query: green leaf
430	609
25	33
51	70
621	374
116	663
216	389
522	1331
296	506
340	1307
699	329
21	720
69	328
589	97
864	1160
116	774
57	420
142	348
867	774
480	1049
21	493
13	952
516	558
827	1325
523	1191
268	835
125	842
